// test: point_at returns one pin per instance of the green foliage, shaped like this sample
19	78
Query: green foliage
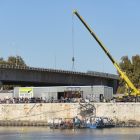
2	61
13	60
121	89
132	70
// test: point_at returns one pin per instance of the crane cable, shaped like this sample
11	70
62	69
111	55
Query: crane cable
73	45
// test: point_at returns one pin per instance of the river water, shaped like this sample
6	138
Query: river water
42	133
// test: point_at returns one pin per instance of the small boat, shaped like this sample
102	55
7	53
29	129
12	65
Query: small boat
76	123
100	122
59	123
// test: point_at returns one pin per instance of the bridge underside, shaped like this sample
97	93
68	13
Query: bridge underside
37	77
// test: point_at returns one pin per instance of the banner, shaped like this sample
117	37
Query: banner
26	92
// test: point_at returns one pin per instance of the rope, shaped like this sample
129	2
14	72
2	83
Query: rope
73	57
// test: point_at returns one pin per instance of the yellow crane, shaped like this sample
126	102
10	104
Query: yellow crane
134	91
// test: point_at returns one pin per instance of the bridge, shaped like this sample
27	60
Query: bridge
30	76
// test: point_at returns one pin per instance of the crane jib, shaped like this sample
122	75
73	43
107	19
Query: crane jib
94	35
122	74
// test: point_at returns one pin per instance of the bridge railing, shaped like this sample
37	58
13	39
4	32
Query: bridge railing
89	73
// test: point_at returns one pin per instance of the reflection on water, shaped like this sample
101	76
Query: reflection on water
40	133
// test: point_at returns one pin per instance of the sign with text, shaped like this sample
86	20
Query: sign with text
25	92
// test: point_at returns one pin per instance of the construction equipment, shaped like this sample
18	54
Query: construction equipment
133	91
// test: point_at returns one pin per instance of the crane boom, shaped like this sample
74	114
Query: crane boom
135	91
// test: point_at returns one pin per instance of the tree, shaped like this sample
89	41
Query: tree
13	60
136	70
16	61
2	61
132	70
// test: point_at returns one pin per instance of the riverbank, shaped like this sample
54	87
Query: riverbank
40	114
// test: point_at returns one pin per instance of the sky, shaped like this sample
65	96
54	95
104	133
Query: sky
46	34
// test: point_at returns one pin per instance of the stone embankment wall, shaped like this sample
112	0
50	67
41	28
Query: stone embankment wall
40	112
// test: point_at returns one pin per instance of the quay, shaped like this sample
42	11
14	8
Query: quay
40	114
